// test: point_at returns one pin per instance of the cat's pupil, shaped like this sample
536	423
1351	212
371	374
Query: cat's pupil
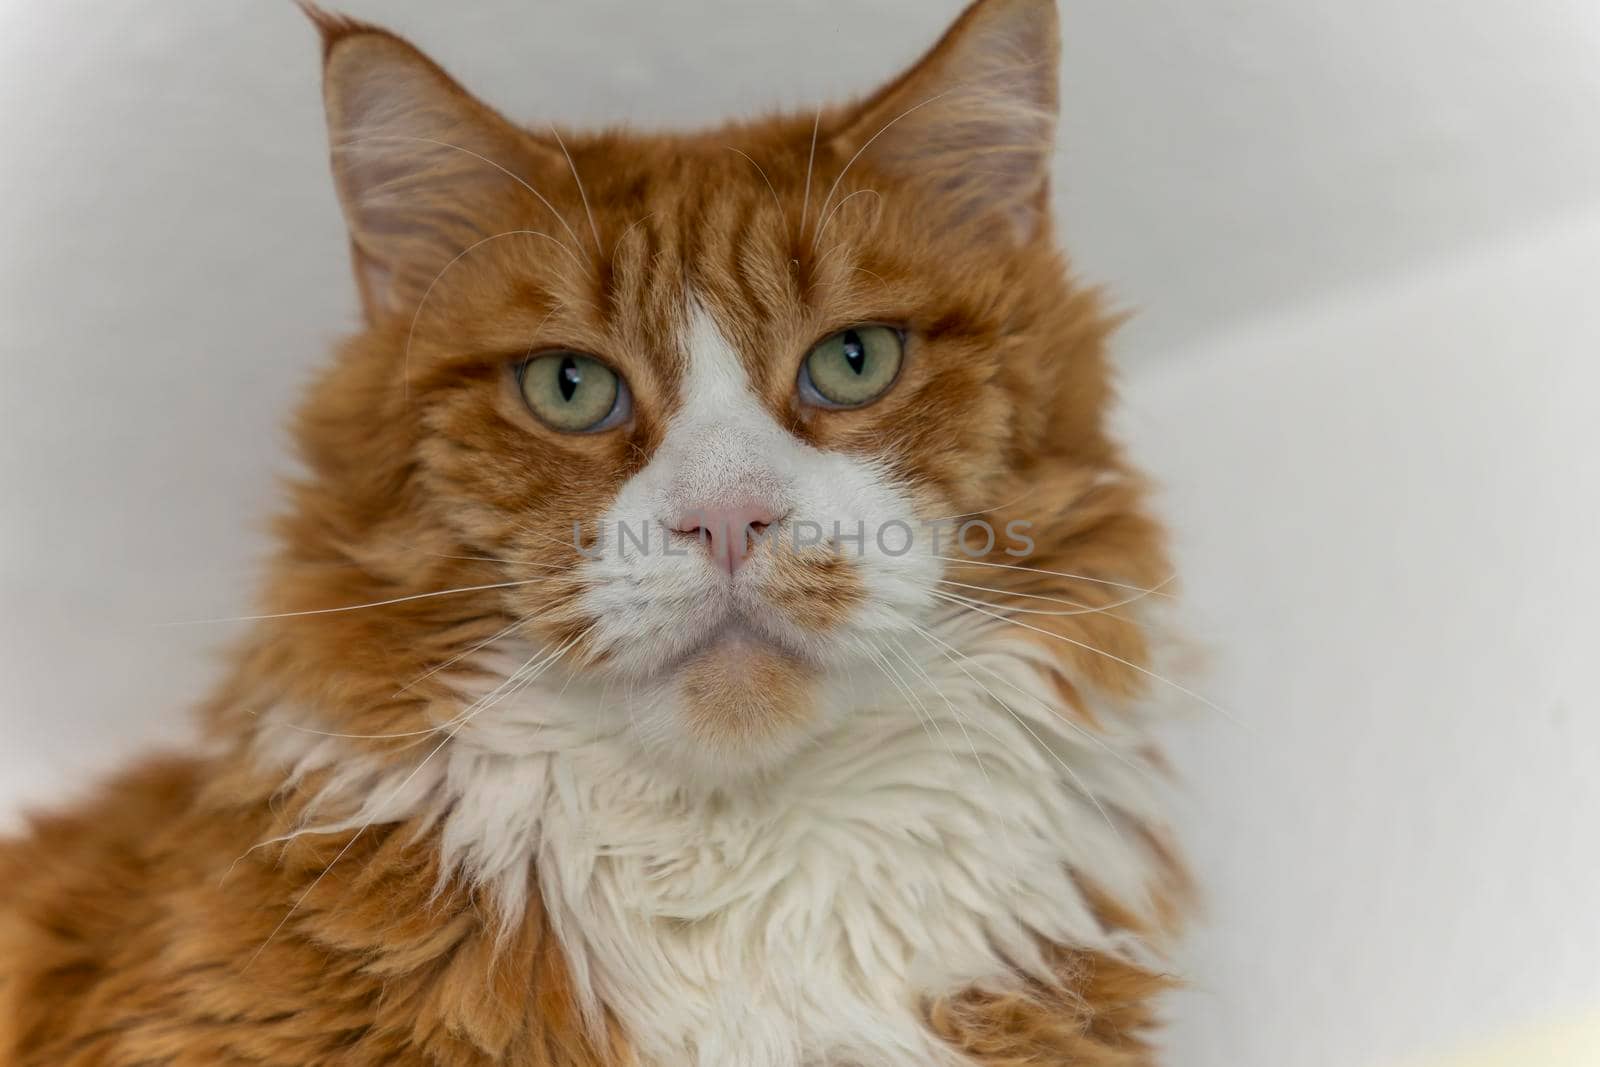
855	353
568	378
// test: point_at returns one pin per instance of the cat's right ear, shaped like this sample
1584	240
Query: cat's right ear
417	160
973	122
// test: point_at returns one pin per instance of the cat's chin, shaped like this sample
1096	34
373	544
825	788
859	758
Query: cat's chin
738	706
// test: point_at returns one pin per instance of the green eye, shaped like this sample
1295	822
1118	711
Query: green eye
573	393
852	367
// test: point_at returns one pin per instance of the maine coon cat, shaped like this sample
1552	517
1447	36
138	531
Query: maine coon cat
712	627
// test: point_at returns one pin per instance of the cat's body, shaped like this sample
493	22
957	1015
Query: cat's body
489	786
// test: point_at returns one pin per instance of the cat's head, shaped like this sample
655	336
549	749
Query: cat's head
703	409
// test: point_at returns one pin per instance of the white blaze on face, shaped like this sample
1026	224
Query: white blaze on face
656	602
723	445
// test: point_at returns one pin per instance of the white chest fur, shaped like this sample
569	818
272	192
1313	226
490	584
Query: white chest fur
913	850
927	842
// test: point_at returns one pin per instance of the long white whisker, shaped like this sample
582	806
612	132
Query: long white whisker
635	224
357	607
348	845
822	227
1060	574
485	703
527	529
1076	781
1088	735
773	189
353	839
482	559
961	724
923	714
466	712
870	273
480	158
805	205
868	144
878	660
955	713
1082	608
1214	706
986	511
491	559
459	256
593	229
458	657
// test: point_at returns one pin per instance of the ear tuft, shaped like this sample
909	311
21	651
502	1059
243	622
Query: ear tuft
332	26
974	121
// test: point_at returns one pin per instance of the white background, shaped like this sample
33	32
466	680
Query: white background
1363	238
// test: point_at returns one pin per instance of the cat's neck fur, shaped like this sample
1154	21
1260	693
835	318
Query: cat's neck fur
938	835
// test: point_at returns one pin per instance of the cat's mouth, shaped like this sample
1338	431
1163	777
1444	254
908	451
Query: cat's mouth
737	664
739	637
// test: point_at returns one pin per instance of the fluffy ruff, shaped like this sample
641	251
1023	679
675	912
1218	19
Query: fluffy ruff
533	895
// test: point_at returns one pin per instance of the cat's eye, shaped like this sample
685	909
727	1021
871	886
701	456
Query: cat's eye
853	367
574	393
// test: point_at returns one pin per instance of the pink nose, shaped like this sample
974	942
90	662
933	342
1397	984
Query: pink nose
727	532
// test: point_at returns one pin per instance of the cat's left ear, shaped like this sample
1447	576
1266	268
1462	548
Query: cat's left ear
974	121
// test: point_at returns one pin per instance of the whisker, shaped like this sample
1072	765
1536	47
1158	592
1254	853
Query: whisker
816	266
822	227
1088	736
776	202
429	731
393	794
868	144
481	559
593	229
986	511
811	161
1008	592
1061	574
355	607
961	724
1218	708
871	274
533	334
351	843
348	845
459	256
917	668
913	702
527	529
480	158
1082	608
926	713
453	660
635	224
1076	781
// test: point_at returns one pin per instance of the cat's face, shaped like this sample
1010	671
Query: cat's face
714	401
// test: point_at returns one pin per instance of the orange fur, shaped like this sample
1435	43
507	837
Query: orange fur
140	929
152	925
1097	1013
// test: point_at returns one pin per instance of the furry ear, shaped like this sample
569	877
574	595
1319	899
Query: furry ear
417	160
975	119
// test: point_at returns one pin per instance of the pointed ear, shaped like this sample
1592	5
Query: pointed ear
417	160
974	120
